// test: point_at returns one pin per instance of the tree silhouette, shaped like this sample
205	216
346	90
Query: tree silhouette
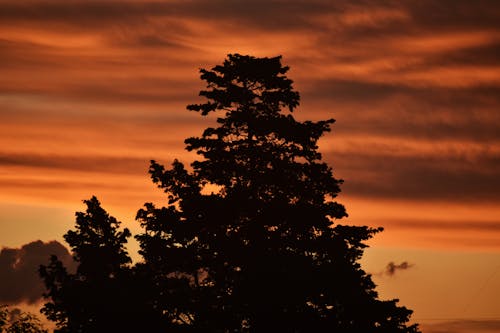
104	294
249	239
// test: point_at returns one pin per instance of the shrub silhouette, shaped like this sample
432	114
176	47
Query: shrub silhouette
249	240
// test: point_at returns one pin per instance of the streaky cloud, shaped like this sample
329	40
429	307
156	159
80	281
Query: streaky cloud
463	326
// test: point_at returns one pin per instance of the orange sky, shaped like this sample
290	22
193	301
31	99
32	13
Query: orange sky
92	90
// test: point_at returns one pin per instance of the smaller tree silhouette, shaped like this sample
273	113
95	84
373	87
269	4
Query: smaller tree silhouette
104	294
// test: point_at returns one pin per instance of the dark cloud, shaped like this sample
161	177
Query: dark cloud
262	14
95	84
435	224
134	90
427	16
343	90
23	54
405	113
116	165
258	14
95	12
391	267
350	90
480	56
151	40
68	187
19	270
356	19
435	177
456	14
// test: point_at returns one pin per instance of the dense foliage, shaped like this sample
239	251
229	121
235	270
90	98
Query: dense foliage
249	240
105	294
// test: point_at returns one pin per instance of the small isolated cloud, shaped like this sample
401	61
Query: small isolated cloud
391	267
19	277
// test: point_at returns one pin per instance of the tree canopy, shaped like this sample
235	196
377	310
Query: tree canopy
105	293
263	250
249	239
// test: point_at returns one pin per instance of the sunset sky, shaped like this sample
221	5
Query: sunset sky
91	90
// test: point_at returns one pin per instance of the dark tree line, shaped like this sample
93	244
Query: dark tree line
248	240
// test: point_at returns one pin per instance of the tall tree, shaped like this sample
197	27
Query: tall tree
249	239
104	294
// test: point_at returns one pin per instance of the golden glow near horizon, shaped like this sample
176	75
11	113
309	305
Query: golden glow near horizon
91	91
